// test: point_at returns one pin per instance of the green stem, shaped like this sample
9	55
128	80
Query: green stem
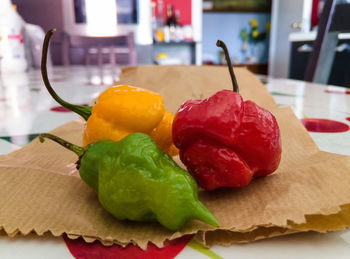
222	45
76	149
205	251
83	111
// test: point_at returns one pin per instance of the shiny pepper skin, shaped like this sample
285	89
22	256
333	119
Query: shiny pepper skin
136	180
225	141
122	110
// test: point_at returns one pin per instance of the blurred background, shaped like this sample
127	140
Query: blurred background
269	37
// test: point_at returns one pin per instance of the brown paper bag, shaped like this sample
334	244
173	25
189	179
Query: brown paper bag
40	190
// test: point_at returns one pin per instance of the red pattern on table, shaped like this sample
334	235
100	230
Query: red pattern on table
82	250
337	92
324	125
63	109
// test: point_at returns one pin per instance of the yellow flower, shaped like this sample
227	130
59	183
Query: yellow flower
254	23
268	26
255	33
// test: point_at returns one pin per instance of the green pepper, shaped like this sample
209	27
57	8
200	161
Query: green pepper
136	180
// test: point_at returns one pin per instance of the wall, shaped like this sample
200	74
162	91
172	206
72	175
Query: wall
184	6
227	27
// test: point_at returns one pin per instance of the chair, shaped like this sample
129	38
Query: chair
100	46
335	19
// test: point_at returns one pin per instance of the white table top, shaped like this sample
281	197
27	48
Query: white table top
25	109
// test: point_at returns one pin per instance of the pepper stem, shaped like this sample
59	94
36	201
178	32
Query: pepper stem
83	111
222	45
76	149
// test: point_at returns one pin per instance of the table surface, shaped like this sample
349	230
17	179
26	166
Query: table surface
26	110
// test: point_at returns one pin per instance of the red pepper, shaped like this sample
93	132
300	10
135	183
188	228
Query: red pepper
225	141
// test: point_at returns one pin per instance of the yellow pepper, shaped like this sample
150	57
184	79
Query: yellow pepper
254	23
122	110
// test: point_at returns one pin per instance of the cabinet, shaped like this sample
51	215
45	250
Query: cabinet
179	52
340	72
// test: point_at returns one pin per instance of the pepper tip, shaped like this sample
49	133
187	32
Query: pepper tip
203	214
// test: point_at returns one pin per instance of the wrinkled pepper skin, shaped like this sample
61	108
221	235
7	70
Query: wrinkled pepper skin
122	110
136	180
225	141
